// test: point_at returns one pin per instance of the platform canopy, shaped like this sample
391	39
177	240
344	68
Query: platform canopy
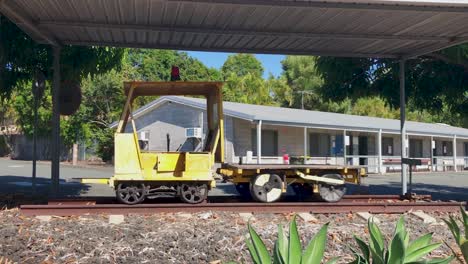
347	28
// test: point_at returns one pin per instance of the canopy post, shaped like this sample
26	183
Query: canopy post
455	153
55	143
259	142
305	145
379	151
404	179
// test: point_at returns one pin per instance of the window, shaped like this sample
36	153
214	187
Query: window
387	146
269	142
447	148
338	145
466	149
415	146
319	145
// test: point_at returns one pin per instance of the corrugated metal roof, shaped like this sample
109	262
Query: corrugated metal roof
298	117
363	28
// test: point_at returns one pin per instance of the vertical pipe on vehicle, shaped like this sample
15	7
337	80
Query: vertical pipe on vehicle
259	142
404	180
379	151
455	153
305	145
55	144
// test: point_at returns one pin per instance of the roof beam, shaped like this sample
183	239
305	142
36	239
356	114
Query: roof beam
454	42
12	12
215	49
390	5
239	32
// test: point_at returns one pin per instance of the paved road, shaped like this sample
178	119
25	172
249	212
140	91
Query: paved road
15	177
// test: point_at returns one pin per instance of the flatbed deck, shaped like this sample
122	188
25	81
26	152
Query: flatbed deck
287	166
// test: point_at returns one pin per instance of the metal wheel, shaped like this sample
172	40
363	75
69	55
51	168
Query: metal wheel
130	193
332	192
266	188
193	193
243	189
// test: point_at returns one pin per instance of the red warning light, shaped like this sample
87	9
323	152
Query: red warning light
175	75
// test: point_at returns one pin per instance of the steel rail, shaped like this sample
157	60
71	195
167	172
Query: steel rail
65	209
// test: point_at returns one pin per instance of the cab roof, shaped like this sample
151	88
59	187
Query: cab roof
172	88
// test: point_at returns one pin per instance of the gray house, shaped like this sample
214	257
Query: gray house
174	123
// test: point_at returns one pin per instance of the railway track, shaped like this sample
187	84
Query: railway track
352	203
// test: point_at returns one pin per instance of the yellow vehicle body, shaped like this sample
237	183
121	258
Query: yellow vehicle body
132	164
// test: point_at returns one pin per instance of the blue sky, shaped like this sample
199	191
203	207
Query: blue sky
271	63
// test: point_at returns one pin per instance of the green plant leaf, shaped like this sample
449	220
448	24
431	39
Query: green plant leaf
434	261
331	261
464	250
418	253
276	255
295	247
364	248
376	243
314	251
282	245
259	246
456	228
465	221
396	252
400	226
420	242
253	252
453	229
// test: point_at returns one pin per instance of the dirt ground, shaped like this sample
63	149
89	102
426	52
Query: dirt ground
179	238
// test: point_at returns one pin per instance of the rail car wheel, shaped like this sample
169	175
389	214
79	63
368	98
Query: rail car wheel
266	188
130	193
243	189
193	193
332	192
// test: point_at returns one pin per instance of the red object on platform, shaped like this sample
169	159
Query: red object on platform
175	74
286	159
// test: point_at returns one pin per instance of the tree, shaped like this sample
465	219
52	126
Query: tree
20	57
435	82
242	64
249	89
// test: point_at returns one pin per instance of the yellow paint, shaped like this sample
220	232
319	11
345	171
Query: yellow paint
96	181
126	154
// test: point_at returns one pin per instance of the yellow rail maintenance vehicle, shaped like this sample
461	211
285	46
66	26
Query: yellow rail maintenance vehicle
143	174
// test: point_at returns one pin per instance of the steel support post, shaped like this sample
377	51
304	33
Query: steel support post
404	179
379	151
455	153
259	142
344	148
305	145
55	144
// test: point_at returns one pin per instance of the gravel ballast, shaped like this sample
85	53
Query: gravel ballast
181	238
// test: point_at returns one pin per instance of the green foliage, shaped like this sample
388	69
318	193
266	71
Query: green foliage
434	82
400	249
460	237
289	249
23	56
241	65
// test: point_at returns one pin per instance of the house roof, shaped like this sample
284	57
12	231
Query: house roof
307	118
345	28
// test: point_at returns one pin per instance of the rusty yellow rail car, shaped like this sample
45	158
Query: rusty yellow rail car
190	175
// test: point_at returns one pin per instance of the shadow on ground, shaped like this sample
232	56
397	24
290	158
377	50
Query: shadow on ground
438	192
18	190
